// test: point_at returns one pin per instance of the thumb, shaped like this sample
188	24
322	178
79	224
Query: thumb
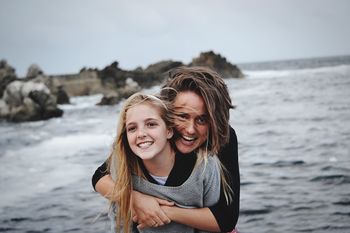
165	202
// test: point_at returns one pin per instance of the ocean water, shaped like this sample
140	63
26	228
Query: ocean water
293	125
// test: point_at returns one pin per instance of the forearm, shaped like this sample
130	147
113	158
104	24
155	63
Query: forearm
200	218
104	186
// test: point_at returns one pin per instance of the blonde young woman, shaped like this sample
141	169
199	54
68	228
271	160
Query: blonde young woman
143	159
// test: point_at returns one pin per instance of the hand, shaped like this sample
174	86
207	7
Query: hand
147	211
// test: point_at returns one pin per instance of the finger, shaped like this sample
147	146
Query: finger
163	218
135	219
149	223
141	226
155	222
165	202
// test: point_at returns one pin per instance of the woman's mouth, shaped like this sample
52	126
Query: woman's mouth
144	145
189	139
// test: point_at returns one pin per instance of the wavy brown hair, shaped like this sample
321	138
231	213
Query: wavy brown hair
211	87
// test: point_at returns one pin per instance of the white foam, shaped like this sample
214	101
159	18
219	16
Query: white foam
53	163
341	69
81	102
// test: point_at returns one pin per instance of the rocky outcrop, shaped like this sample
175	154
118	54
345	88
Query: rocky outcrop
120	84
113	77
86	82
116	96
160	69
34	71
62	96
112	81
217	63
36	74
7	75
28	101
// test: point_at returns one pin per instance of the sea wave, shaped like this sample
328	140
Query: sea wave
337	70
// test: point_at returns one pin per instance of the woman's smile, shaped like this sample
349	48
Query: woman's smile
190	122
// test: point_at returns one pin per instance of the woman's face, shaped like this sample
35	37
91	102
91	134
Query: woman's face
191	122
147	132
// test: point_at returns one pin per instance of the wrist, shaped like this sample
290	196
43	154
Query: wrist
170	212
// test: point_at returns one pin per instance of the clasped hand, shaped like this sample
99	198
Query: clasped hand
147	211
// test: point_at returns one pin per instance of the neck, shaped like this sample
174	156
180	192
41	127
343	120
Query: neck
162	164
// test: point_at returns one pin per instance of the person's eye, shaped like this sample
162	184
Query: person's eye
202	120
182	116
151	124
131	129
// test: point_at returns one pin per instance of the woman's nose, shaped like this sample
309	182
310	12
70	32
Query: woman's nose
141	133
190	127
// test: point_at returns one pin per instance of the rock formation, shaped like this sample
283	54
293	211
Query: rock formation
36	97
217	63
24	100
7	75
114	77
28	101
113	97
34	71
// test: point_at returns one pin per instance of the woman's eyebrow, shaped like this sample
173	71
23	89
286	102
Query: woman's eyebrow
151	119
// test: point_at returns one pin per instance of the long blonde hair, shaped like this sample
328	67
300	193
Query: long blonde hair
123	163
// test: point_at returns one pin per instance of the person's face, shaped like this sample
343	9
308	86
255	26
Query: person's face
146	131
191	121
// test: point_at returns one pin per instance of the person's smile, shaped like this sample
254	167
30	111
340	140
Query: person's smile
191	121
145	144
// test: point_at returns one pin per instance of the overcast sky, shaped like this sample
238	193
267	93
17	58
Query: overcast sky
64	36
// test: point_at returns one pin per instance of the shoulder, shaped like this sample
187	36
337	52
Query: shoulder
228	154
233	136
208	167
212	161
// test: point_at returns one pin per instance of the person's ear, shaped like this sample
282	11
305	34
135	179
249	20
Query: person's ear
170	133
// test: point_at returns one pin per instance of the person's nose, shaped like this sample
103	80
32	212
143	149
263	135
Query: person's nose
141	133
190	127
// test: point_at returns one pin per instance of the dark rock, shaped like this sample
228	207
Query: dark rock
28	101
33	71
162	66
131	87
110	99
113	77
116	96
62	96
7	75
217	63
155	73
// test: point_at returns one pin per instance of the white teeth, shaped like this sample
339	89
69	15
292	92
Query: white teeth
144	144
188	138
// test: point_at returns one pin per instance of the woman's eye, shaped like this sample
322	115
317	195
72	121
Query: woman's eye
182	116
152	124
131	129
202	120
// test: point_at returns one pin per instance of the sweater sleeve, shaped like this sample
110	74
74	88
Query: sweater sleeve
227	214
100	172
